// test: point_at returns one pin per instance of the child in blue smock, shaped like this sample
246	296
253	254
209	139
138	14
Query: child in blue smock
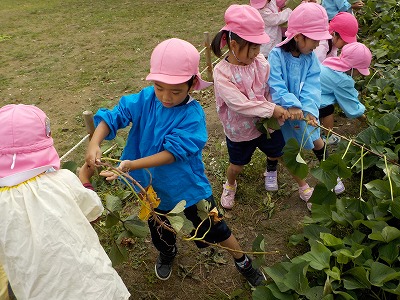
295	79
337	83
167	137
333	7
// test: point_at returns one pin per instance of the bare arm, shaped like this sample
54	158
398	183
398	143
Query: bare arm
93	153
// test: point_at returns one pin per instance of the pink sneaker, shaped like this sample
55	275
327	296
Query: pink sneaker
339	188
271	181
305	193
228	195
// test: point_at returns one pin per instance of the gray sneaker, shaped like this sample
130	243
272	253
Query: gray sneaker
163	267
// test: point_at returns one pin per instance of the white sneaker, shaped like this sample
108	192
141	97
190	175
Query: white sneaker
332	140
339	188
271	181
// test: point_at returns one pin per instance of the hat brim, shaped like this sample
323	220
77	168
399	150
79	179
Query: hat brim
256	39
258	5
169	79
20	177
318	36
364	72
348	39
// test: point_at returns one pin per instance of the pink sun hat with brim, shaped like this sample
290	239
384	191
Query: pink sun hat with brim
175	61
346	25
258	4
354	55
309	19
246	22
26	148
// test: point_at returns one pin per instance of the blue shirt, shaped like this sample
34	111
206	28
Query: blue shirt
338	87
295	82
181	130
333	7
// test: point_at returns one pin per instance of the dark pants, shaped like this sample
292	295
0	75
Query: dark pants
165	240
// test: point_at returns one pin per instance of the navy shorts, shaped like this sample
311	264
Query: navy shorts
326	111
240	153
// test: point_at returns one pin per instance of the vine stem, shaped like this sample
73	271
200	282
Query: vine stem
356	144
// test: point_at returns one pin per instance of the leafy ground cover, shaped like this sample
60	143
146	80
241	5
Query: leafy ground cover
71	56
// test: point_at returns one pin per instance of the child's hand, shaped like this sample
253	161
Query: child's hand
295	113
311	120
85	173
124	167
280	113
93	155
357	5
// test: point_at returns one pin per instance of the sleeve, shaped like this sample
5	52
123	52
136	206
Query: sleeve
277	83
343	5
121	115
237	101
189	137
87	200
275	18
322	50
347	98
310	94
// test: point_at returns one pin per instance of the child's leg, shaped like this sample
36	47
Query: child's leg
3	284
165	243
328	122
239	155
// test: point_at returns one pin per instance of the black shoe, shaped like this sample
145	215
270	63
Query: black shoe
163	267
254	276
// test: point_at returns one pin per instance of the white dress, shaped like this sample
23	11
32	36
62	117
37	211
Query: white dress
48	248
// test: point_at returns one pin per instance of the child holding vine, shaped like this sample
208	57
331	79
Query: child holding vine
167	137
337	83
242	97
48	248
295	79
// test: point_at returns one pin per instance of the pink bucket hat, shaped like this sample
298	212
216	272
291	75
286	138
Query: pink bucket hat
175	61
258	4
353	55
309	19
346	25
246	22
26	147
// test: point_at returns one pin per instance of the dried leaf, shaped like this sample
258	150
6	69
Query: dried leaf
215	216
150	200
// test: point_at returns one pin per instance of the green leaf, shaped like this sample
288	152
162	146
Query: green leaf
277	273
113	203
111	219
291	151
381	273
387	234
315	293
117	254
176	222
334	273
136	226
389	252
259	244
327	178
70	165
345	255
334	164
318	257
322	195
262	293
380	189
356	278
313	232
180	207
330	240
296	278
277	294
355	238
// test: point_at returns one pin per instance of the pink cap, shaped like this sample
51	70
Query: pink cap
309	19
258	4
26	147
247	23
175	61
346	25
353	55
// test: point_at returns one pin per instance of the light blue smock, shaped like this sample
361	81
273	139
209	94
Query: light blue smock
294	82
333	7
181	130
338	88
